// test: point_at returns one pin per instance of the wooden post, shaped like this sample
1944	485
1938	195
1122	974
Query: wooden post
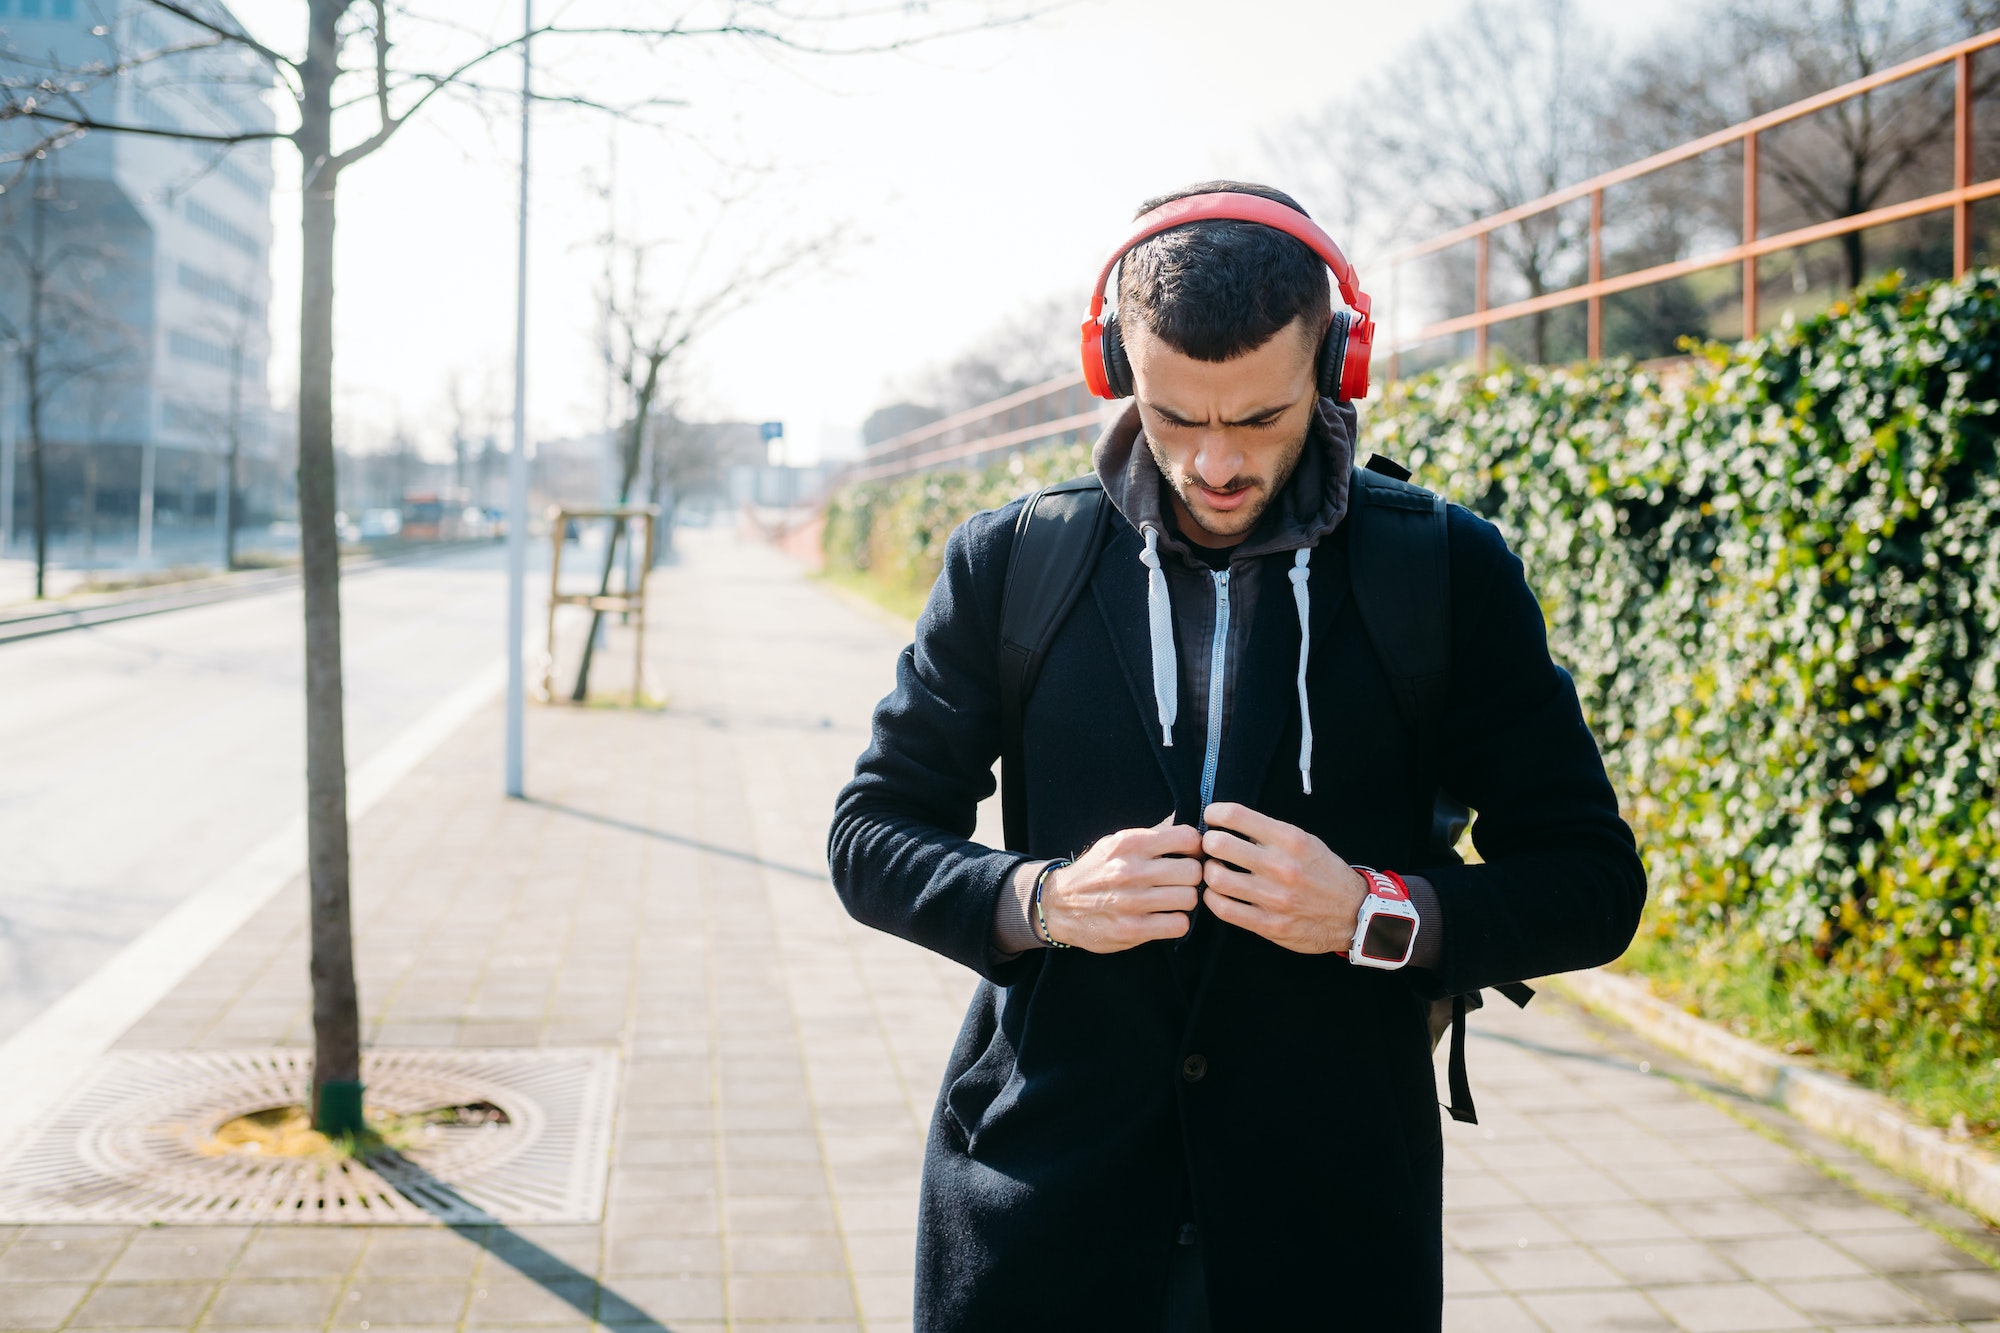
1961	168
1479	335
638	595
1749	235
558	523
629	604
1594	308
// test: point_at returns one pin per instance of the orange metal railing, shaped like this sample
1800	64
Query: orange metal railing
1964	192
1058	411
1062	411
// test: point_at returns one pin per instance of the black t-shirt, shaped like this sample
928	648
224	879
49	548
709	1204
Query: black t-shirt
1215	557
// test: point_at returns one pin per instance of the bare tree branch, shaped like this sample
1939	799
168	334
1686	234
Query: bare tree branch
78	122
233	35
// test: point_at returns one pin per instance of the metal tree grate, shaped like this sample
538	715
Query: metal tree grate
125	1145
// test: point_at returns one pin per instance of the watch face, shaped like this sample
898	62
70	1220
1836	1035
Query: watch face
1388	937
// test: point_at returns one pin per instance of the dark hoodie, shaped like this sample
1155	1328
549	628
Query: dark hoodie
1308	508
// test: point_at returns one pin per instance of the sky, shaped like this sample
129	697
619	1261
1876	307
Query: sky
974	174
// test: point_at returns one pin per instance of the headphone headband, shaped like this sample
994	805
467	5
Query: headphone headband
1344	347
1228	206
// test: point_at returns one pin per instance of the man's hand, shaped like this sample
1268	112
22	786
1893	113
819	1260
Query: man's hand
1135	885
1287	885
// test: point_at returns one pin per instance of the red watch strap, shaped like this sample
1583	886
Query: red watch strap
1384	883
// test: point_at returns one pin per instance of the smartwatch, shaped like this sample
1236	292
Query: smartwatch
1385	931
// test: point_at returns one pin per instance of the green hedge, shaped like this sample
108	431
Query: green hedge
1775	576
893	532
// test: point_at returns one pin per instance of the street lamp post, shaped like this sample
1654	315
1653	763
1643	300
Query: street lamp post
6	457
517	464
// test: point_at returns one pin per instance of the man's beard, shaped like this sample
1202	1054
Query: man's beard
1243	521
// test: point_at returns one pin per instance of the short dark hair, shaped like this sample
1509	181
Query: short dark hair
1215	290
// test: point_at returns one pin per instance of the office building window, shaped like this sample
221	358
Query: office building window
200	350
218	226
212	288
242	179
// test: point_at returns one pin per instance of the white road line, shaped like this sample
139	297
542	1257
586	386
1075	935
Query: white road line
40	1061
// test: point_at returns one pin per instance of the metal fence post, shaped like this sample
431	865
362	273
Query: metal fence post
1395	322
1594	308
1480	334
1749	235
1961	167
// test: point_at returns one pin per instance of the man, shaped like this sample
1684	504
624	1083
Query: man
1175	1102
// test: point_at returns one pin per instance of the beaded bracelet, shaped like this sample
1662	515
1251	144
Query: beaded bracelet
1041	921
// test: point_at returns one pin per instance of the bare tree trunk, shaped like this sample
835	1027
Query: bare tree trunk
31	367
226	501
336	1008
38	474
1853	250
628	472
228	498
90	507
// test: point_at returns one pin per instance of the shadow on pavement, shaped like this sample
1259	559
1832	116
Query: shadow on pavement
696	844
579	1290
1623	1064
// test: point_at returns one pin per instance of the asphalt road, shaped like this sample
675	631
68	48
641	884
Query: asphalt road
139	760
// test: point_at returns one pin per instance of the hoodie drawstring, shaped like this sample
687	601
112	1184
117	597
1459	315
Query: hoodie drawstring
1301	594
1160	616
1166	670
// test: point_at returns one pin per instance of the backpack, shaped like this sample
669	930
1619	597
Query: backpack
1396	526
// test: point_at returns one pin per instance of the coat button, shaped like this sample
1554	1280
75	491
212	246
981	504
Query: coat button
1194	1068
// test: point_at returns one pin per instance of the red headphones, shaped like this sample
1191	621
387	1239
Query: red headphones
1342	366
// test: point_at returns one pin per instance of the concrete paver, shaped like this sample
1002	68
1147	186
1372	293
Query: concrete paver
664	892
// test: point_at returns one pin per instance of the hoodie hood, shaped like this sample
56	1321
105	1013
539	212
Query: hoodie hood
1308	506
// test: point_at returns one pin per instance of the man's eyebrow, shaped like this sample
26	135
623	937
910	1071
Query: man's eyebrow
1262	414
1257	417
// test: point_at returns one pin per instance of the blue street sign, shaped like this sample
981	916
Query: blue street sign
771	430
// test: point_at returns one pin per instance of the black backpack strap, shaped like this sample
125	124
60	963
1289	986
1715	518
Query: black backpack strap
1056	540
1400	559
1399	554
1461	1107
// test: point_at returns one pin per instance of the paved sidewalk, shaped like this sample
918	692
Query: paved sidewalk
665	893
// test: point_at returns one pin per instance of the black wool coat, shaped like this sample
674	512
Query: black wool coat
1284	1102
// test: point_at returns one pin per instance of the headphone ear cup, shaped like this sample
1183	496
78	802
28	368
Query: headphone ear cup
1360	347
1333	355
1117	366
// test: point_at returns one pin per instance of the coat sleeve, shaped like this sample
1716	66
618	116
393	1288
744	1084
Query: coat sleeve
900	849
1562	883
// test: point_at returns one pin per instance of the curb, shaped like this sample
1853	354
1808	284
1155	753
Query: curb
107	608
1824	1101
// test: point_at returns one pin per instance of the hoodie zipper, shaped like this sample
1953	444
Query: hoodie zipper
1218	649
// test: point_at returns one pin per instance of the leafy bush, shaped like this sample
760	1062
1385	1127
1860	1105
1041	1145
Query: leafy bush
1777	583
1775	575
894	531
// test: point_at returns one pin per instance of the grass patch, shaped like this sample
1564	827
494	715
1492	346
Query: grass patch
287	1132
145	578
1950	1080
901	602
618	701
